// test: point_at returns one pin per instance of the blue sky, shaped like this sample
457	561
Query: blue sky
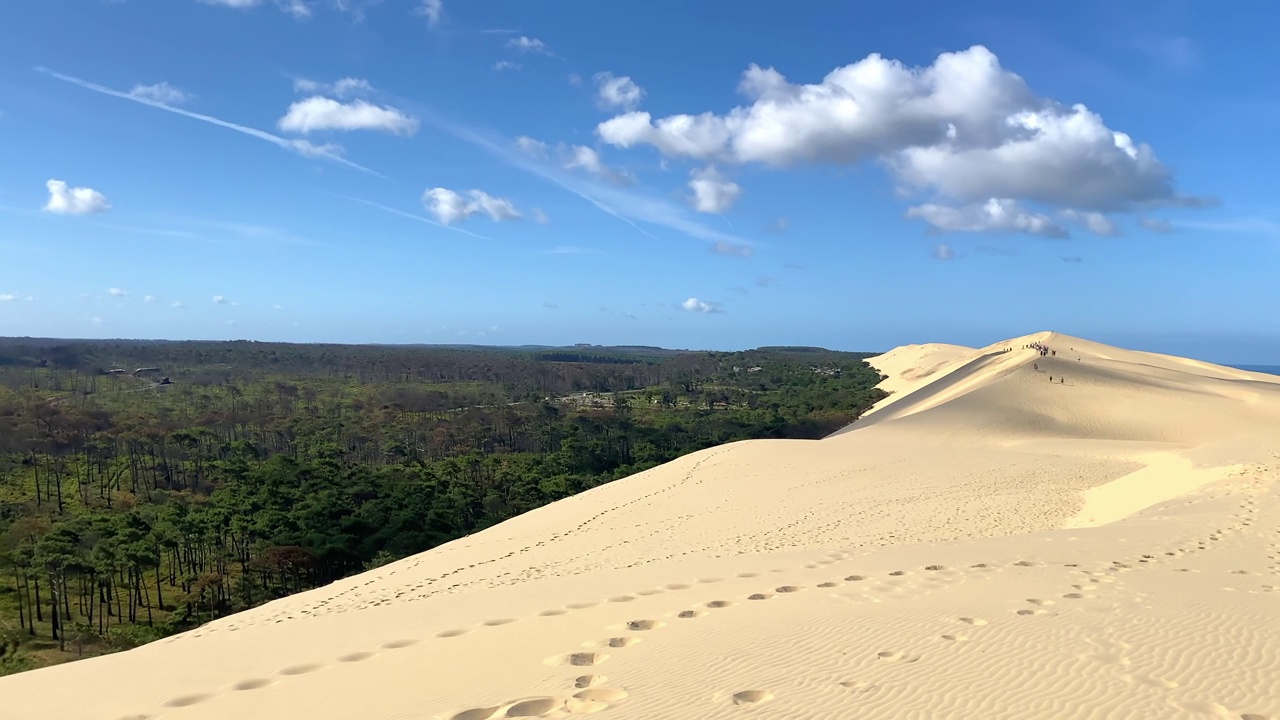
711	175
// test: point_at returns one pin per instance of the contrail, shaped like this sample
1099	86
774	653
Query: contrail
411	216
302	147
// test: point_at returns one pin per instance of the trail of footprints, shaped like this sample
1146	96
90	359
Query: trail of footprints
589	695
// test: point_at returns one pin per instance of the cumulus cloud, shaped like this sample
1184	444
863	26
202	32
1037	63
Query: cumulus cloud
712	192
617	92
305	148
1095	222
995	215
943	251
117	292
8	297
149	299
1159	225
322	113
693	304
502	65
162	92
178	304
432	10
963	129
220	300
540	217
66	200
724	247
529	45
450	207
580	157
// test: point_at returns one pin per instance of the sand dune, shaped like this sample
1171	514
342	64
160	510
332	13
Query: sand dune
985	543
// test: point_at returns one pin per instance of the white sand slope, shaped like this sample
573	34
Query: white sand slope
984	544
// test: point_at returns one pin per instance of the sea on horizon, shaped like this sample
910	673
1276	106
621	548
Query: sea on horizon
1269	369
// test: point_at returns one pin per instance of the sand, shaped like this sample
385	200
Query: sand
983	544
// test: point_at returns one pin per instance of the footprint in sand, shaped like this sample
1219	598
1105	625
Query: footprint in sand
973	621
716	604
534	707
355	657
301	669
643	625
759	596
586	681
751	697
397	644
186	700
686	614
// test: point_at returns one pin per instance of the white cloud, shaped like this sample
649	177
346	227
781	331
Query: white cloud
149	299
502	65
219	300
322	113
277	307
617	92
343	87
450	207
963	129
540	217
723	247
178	304
629	206
1159	225
1095	222
693	304
432	10
95	320
8	297
995	215
163	93
117	292
531	147
779	226
529	45
64	200
943	251
712	192
581	157
302	147
297	8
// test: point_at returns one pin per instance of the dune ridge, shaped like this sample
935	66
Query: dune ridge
983	543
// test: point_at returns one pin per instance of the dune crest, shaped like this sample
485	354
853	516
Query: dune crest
986	542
